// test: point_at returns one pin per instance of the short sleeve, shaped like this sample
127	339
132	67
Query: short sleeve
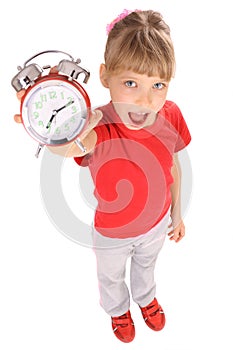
183	134
83	161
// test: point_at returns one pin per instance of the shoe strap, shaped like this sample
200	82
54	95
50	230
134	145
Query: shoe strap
120	321
151	310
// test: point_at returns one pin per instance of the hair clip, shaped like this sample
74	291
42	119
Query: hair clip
121	16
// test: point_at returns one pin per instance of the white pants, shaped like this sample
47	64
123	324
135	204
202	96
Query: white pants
112	255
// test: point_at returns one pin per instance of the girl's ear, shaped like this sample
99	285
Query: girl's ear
103	75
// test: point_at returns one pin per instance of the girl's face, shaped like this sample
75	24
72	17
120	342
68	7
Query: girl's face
136	98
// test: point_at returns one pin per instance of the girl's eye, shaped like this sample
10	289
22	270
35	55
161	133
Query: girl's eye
159	86
130	83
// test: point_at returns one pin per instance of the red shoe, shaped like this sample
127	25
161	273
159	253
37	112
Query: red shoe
153	315
123	327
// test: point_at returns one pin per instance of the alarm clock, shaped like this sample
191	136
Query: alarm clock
55	107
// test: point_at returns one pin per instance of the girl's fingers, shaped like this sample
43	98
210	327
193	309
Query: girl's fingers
18	118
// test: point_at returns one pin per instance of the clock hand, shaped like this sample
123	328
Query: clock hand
51	119
55	112
65	106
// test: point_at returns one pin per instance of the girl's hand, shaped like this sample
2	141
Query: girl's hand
17	117
177	233
94	118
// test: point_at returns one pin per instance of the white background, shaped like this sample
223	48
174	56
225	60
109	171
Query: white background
49	293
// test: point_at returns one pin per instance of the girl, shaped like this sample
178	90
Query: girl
132	146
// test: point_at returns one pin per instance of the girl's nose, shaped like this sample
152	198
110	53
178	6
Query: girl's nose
144	98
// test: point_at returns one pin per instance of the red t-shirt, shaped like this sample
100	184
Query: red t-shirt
131	170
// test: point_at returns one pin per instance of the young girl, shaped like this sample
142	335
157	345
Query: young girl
132	146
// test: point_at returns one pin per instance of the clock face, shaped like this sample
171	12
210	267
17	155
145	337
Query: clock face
54	111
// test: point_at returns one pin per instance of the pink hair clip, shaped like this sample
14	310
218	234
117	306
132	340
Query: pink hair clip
121	16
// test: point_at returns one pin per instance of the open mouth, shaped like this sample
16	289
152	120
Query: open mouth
138	118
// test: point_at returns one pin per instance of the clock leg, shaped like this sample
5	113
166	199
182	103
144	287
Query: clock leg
80	145
39	148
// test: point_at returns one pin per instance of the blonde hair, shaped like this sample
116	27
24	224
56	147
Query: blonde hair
141	42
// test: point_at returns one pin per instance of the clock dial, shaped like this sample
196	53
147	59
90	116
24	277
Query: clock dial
54	112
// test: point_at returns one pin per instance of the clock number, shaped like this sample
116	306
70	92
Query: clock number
74	109
36	115
52	94
48	129
40	123
72	120
58	131
43	98
67	127
39	105
62	95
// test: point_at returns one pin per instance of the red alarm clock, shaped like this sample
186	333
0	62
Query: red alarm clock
55	107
